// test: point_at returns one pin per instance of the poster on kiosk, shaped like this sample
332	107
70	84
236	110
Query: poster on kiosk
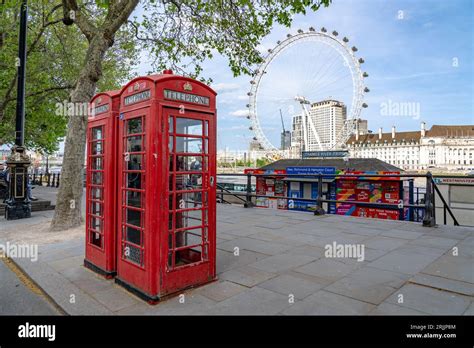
166	208
100	251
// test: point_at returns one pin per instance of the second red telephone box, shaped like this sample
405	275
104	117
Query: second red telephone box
101	184
166	238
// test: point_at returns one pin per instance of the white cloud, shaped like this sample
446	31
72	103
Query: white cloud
240	113
225	86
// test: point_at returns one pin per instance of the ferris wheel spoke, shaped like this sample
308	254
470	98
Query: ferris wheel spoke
330	69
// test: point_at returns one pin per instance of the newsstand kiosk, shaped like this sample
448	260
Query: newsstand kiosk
101	184
166	202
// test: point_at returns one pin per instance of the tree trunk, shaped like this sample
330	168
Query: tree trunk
68	206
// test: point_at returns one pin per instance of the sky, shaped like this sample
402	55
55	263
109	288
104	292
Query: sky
418	54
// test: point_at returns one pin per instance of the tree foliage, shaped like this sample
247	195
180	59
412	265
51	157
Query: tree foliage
55	56
177	34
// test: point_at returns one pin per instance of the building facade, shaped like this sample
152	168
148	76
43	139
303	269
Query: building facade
324	120
441	147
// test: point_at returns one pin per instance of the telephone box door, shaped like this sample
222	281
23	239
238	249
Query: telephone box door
190	198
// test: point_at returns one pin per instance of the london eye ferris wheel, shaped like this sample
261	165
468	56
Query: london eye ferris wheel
303	69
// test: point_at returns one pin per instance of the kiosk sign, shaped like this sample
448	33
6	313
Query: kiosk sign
324	154
186	97
138	97
311	170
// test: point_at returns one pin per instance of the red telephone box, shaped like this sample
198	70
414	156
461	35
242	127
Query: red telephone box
166	237
101	184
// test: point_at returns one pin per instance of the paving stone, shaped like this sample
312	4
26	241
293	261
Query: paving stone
470	309
194	304
78	273
391	309
78	250
282	262
361	290
469	240
60	290
457	233
93	285
403	262
429	300
115	298
268	236
246	276
220	291
268	248
435	242
465	249
327	303
287	284
326	268
227	260
368	232
402	234
373	254
227	236
409	249
224	226
453	267
137	309
384	243
255	301
308	250
52	255
443	283
241	230
69	262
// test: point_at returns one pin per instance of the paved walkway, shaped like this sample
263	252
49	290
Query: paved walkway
282	269
18	298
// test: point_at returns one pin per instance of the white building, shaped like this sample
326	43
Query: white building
442	147
325	119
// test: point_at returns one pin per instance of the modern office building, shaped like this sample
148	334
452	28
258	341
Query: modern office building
321	127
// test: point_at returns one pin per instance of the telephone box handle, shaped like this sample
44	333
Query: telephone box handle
211	181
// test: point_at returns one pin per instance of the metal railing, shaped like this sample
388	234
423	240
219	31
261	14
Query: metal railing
427	204
47	180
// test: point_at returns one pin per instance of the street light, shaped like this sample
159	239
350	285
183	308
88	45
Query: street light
18	204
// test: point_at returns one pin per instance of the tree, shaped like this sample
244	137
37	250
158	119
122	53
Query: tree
55	53
178	34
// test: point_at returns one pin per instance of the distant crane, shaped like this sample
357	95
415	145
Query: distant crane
282	123
285	141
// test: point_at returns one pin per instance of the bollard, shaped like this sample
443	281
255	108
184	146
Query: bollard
248	203
319	210
429	218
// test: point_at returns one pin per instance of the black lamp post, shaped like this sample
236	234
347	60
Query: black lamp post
18	204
